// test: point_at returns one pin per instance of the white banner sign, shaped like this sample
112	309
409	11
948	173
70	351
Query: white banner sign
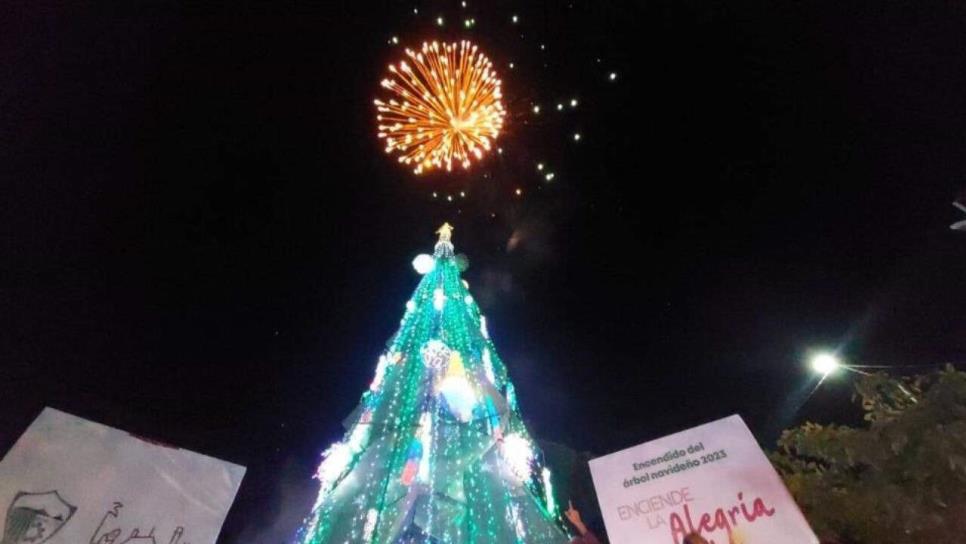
71	481
713	480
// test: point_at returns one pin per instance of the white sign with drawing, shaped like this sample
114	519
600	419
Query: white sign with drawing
713	480
72	481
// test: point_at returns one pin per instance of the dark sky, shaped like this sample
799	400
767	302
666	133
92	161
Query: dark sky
202	241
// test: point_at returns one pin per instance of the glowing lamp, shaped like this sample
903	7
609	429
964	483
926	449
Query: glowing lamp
825	363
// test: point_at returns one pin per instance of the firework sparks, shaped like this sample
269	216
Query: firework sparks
446	106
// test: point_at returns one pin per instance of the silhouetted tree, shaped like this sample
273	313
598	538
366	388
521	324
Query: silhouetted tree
900	478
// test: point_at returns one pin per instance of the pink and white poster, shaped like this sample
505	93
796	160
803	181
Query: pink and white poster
712	479
73	481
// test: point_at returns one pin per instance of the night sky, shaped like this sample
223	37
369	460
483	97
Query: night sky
204	243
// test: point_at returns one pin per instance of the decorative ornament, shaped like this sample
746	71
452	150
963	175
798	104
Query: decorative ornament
413	457
488	366
380	373
444	246
335	461
435	354
425	436
516	520
445	233
511	397
439	299
371	517
358	438
518	453
456	390
417	458
493	419
424	264
548	492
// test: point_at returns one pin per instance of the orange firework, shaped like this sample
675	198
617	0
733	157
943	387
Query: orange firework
446	107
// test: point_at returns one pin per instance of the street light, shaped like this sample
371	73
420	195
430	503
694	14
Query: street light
825	363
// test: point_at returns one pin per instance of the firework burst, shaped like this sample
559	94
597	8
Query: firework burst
445	107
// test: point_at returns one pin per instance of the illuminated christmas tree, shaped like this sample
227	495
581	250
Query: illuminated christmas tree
436	451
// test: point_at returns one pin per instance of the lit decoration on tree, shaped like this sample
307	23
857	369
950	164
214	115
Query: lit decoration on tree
438	452
424	263
439	299
380	373
335	460
516	522
435	354
488	366
518	453
445	233
417	464
456	390
371	518
445	106
548	491
493	418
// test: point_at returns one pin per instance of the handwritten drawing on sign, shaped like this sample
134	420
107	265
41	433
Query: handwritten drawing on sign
713	480
72	481
33	518
107	531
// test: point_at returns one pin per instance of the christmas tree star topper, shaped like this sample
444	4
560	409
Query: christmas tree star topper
445	232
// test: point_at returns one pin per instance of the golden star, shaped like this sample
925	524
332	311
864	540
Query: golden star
445	232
